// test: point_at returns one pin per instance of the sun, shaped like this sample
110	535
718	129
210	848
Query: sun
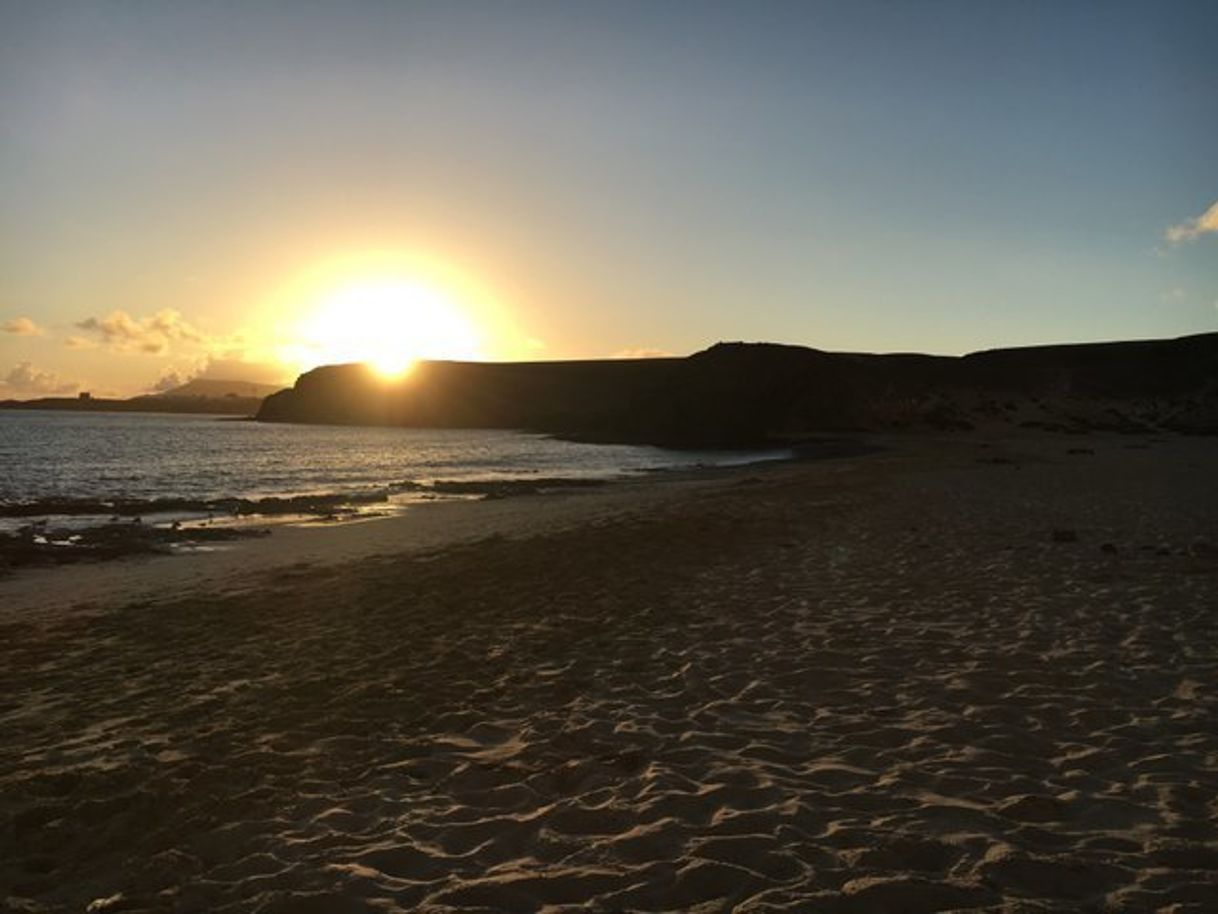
387	323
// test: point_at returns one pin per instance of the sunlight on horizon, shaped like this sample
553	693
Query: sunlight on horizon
387	320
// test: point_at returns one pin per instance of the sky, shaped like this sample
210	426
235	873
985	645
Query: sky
245	189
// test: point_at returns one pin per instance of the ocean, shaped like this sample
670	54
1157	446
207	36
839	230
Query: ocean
66	463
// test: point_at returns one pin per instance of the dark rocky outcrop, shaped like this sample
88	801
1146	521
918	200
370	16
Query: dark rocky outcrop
737	394
38	545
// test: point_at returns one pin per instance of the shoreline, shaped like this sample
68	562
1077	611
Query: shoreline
188	529
920	679
416	526
264	544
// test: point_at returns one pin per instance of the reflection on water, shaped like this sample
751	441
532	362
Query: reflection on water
60	455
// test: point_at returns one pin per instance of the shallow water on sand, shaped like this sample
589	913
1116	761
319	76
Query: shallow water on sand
46	456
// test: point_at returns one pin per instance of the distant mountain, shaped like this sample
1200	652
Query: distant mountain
221	398
737	394
208	387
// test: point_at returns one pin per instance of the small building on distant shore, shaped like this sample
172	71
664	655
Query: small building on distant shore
84	395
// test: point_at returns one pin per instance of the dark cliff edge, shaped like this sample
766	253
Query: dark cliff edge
745	394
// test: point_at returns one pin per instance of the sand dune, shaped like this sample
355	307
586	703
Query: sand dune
874	685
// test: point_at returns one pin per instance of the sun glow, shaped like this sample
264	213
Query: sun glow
387	323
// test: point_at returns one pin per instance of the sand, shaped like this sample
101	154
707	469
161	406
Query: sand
961	674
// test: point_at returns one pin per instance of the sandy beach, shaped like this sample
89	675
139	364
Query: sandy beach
962	673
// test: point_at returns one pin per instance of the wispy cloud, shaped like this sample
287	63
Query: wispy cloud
153	335
79	342
1192	229
26	379
220	368
22	326
169	380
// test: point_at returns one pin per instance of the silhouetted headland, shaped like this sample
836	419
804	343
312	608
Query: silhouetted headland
746	394
217	397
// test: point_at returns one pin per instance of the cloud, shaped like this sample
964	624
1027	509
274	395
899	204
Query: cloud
1192	229
168	381
642	352
79	342
22	326
26	379
119	330
212	368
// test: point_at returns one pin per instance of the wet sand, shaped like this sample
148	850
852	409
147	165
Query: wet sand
961	674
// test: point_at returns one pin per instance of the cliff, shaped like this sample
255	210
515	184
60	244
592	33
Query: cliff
751	393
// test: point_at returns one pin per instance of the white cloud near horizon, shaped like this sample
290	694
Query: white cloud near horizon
152	335
22	326
26	379
212	368
1192	229
168	381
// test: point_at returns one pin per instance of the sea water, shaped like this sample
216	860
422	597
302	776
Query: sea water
49	457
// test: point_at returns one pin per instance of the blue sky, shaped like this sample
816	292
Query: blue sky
935	176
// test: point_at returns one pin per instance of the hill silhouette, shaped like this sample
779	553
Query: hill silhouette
744	394
216	387
215	397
